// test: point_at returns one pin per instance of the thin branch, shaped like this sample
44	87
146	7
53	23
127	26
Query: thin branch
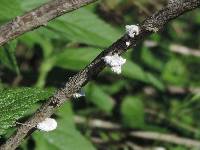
148	90
153	23
179	49
38	17
117	144
184	50
179	90
97	123
169	138
163	137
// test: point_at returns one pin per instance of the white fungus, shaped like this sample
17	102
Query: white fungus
128	43
47	125
115	62
132	30
159	148
116	69
79	94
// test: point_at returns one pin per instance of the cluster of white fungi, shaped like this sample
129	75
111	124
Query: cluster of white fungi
115	62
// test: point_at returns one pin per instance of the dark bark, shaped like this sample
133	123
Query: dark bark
150	25
38	17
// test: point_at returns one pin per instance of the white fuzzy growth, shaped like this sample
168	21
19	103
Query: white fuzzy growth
132	30
47	125
81	93
115	62
159	148
128	43
117	69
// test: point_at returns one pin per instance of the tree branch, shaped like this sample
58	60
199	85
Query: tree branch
153	23
179	49
38	17
170	138
163	137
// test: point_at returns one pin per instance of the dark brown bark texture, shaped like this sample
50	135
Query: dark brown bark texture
38	17
152	24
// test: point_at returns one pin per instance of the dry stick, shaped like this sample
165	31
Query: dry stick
179	49
169	138
184	50
173	90
38	17
153	23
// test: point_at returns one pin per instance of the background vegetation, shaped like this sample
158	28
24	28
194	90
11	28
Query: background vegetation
157	91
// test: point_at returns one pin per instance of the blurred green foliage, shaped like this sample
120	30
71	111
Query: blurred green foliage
158	89
14	102
132	110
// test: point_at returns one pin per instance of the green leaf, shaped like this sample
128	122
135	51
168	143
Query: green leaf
7	56
196	97
114	87
196	18
133	71
9	9
12	8
155	81
98	97
29	5
175	72
31	38
132	111
179	148
14	103
75	58
84	26
65	137
151	60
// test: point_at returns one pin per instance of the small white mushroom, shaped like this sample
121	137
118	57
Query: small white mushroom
132	30
49	124
115	62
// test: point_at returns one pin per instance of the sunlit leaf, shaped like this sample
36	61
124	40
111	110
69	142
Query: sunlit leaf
15	102
100	98
132	111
